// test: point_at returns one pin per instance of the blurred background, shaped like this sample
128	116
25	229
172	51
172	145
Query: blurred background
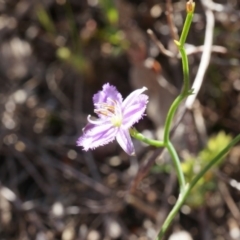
54	55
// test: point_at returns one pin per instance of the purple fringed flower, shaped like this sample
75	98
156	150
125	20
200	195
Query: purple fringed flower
116	117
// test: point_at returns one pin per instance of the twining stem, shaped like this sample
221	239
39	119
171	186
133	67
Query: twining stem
172	214
184	93
185	90
177	165
183	195
184	189
170	115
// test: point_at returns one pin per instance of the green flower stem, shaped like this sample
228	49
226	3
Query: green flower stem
180	45
183	195
142	138
167	142
169	119
177	165
172	214
186	81
186	28
184	93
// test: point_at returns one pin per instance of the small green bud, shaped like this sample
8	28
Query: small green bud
177	43
133	131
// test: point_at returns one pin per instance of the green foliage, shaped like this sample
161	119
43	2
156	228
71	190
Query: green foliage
161	168
193	165
214	146
45	20
73	53
110	11
111	33
77	61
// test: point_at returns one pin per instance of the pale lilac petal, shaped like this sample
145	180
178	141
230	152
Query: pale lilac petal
96	121
132	97
134	112
107	95
97	136
93	129
125	141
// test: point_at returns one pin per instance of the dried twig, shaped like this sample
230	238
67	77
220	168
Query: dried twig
190	49
229	201
54	88
169	14
168	190
139	204
160	45
198	49
33	172
77	175
144	169
208	40
213	6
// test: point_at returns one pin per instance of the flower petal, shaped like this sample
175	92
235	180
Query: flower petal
107	95
132	97
134	112
97	135
96	121
125	141
94	129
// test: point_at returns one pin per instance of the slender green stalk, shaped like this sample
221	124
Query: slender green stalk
135	134
183	195
184	189
184	93
172	214
214	161
186	28
177	165
170	115
186	81
185	90
190	10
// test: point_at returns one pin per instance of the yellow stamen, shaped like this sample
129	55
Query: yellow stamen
110	111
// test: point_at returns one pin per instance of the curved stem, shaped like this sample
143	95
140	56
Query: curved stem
172	214
186	81
177	165
183	195
184	93
170	116
135	134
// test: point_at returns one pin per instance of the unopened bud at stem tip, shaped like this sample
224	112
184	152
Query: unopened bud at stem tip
190	6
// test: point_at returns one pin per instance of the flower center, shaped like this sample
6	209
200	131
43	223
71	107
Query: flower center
116	121
111	111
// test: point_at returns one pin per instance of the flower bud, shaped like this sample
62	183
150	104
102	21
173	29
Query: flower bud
190	6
